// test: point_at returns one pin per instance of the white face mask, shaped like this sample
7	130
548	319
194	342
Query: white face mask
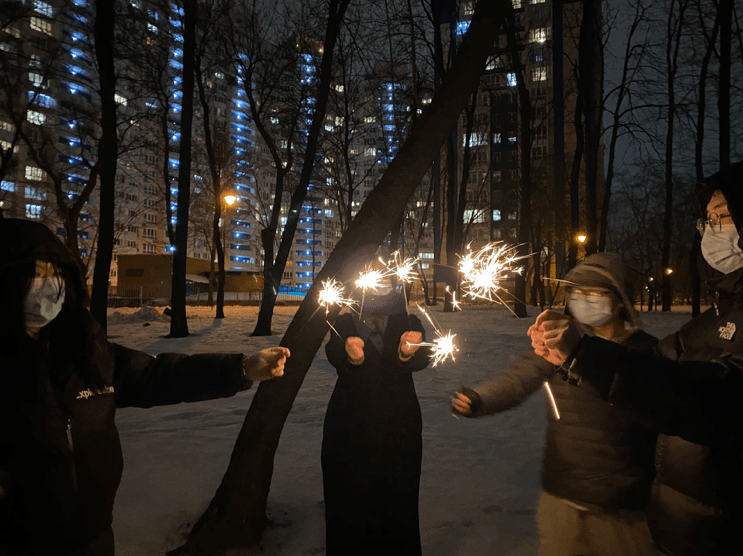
594	312
43	301
720	249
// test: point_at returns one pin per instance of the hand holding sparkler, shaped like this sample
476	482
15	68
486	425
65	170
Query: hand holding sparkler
355	350
559	334
465	402
409	344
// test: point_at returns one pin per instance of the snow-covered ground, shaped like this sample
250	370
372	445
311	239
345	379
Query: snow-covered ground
480	478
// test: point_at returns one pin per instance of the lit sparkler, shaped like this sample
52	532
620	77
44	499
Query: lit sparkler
443	346
332	294
484	270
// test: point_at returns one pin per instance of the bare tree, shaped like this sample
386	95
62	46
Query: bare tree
107	152
178	321
237	514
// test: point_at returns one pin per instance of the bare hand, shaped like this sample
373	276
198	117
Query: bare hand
537	341
355	350
266	364
560	335
409	344
461	404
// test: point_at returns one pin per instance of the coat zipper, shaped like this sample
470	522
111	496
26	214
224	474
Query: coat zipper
72	453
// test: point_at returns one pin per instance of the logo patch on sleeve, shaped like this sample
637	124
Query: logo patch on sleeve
728	331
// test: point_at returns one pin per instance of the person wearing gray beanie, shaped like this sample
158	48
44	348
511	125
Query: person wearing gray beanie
597	463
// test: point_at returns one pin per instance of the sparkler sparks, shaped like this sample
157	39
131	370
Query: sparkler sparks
484	270
370	279
332	294
443	346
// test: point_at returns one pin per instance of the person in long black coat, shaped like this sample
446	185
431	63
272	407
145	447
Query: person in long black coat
372	446
60	384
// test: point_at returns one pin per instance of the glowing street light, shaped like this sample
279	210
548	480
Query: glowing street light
669	271
230	199
581	238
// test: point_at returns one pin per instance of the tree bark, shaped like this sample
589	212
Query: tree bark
237	514
107	153
178	321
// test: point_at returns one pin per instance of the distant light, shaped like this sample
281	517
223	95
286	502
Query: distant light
581	238
669	271
230	199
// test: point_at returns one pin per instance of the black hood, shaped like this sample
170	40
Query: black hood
731	186
26	241
389	304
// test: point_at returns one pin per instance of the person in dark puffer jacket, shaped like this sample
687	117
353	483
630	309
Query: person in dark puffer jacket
691	391
60	383
597	464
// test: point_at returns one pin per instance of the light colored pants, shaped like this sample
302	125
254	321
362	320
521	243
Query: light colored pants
565	530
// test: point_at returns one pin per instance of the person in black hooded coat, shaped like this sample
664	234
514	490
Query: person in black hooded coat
372	445
60	383
691	391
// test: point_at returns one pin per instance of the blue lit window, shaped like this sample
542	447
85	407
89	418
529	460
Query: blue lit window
33	211
177	23
389	107
7	185
76	88
40	99
176	52
151	103
78	36
496	215
82	235
176	108
173	162
176	64
81	3
170	248
389	127
462	27
76	70
175	137
177	9
177	37
177	80
76	53
511	77
80	18
153	14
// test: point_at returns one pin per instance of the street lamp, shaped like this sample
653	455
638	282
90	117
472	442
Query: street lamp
230	199
669	271
581	238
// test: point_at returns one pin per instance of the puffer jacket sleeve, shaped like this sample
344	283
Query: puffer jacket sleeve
507	389
141	380
699	400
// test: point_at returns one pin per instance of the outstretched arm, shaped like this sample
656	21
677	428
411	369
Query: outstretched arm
141	380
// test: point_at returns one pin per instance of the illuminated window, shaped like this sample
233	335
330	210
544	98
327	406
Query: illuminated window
33	211
34	173
43	8
540	34
38	24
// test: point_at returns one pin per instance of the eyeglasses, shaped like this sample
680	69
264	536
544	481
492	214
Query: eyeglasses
714	222
591	294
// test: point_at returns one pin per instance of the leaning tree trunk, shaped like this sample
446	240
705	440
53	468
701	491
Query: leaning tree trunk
237	514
